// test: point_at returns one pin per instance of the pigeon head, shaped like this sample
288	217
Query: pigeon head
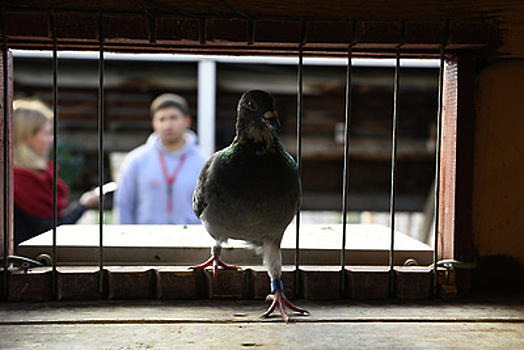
257	119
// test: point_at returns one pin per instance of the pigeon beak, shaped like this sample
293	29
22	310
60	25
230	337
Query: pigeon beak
271	117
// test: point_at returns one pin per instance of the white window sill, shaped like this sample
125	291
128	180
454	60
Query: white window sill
189	245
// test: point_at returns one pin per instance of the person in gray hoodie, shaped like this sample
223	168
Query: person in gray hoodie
158	178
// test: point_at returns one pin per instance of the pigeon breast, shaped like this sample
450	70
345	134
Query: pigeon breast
253	196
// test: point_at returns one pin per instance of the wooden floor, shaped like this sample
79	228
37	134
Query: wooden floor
475	323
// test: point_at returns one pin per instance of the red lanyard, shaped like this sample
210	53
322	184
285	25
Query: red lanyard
170	180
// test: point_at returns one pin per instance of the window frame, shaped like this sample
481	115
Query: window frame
455	138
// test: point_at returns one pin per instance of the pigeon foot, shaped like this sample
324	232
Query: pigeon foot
280	300
216	262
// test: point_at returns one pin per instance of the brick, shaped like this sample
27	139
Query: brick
126	27
328	32
177	29
321	285
2	296
30	286
230	284
369	283
78	285
383	34
181	285
26	24
413	282
227	30
76	25
131	284
274	31
423	35
261	284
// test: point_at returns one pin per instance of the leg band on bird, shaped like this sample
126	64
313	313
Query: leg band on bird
216	250
276	284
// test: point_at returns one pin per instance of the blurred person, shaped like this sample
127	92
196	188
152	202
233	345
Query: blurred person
158	178
33	174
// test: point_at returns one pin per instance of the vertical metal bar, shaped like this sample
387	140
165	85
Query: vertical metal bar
5	64
440	107
55	156
345	184
101	153
392	197
300	102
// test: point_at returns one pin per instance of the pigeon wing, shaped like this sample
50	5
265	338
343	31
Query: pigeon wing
199	196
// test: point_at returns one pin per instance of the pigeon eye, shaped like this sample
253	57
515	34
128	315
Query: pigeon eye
252	105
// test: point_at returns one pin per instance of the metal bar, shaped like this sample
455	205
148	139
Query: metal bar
440	107
5	57
345	184
101	154
55	157
392	197
300	103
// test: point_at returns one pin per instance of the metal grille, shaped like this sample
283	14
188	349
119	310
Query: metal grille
349	53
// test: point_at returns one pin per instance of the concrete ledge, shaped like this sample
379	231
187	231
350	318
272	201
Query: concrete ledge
177	283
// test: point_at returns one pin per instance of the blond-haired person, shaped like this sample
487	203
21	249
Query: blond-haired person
33	174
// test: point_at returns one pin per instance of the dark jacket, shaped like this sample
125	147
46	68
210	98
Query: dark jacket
28	226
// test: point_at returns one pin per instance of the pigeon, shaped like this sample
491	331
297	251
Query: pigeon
251	191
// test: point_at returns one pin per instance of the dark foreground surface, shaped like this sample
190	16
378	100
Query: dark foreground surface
477	323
